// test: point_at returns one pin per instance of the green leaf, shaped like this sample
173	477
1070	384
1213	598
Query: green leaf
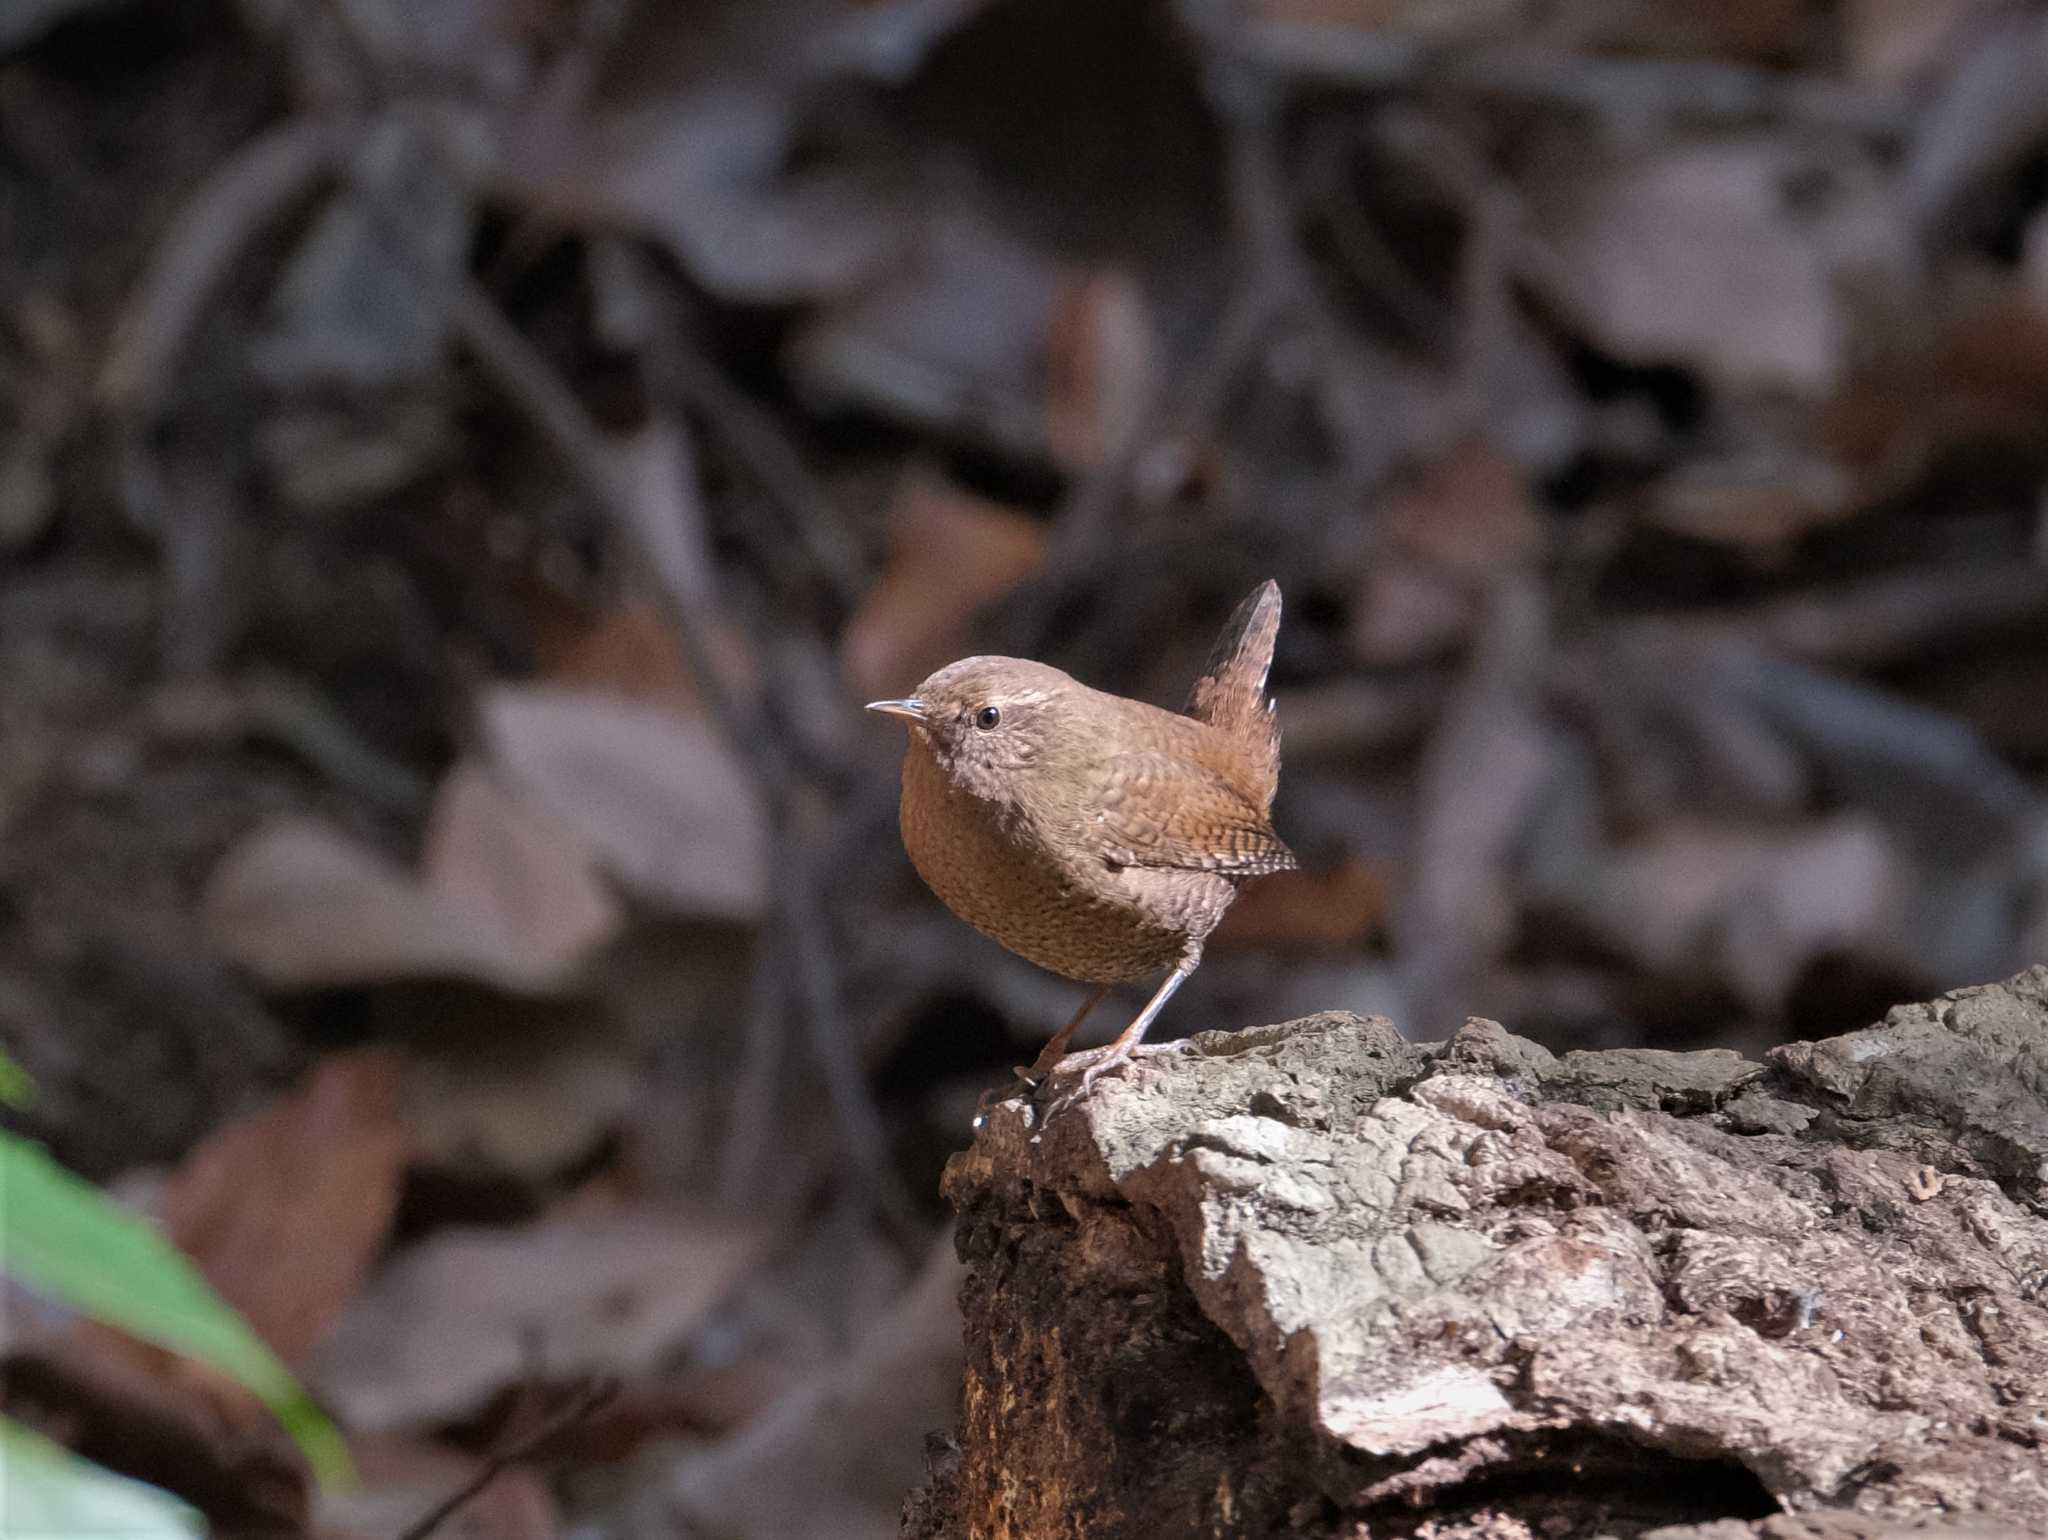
49	1493
16	1089
62	1237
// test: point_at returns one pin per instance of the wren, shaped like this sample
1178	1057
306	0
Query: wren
1098	837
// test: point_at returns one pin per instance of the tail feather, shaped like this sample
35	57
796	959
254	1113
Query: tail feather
1231	694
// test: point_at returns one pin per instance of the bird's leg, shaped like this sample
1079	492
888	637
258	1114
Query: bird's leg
1048	1056
1127	1041
1055	1048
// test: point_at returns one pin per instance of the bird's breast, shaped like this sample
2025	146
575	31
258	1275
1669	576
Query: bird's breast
1046	894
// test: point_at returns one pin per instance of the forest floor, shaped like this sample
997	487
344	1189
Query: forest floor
462	466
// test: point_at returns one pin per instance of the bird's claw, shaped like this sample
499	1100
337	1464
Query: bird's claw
1104	1063
1096	1063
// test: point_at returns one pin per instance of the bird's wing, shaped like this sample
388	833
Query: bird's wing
1163	810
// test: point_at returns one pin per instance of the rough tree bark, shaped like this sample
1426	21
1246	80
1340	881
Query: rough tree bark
1315	1280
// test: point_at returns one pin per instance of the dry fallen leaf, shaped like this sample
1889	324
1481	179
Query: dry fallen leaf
520	1088
1366	15
1889	42
163	1419
711	174
628	649
1102	366
453	1320
658	797
1747	30
513	872
1445	537
1493	760
301	904
950	553
1723	256
1982	375
507	896
285	1209
855	1430
1761	507
951	340
1748	905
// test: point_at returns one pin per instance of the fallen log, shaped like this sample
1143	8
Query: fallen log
1315	1280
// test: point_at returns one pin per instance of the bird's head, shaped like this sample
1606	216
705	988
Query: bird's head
988	721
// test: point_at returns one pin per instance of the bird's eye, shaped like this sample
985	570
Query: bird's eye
987	718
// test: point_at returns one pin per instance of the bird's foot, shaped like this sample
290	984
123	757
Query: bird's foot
1092	1064
1089	1076
1096	1063
1029	1079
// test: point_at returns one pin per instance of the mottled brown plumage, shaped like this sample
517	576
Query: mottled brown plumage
1099	837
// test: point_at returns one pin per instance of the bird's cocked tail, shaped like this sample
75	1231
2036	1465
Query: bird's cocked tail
1231	694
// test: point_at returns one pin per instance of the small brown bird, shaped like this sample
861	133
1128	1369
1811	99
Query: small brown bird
1098	837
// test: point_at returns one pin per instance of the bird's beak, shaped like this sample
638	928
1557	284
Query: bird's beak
912	708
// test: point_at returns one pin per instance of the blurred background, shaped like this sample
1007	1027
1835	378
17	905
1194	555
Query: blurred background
464	462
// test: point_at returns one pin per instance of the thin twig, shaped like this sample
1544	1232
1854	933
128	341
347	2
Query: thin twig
592	1396
1624	89
758	444
1874	621
532	385
821	996
519	371
1422	318
1265	211
186	270
255	185
1082	529
647	318
750	1113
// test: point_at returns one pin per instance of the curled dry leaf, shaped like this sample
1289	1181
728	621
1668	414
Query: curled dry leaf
455	1319
950	553
658	797
285	1209
506	896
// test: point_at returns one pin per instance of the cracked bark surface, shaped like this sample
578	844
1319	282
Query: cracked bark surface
1315	1280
